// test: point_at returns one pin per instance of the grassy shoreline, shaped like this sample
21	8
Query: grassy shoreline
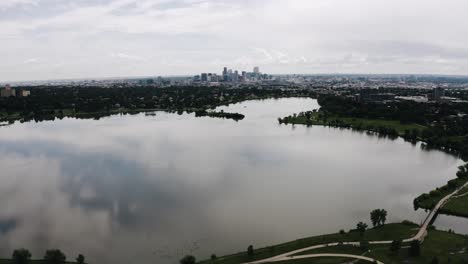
444	245
393	129
386	232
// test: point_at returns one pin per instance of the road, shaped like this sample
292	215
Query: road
422	232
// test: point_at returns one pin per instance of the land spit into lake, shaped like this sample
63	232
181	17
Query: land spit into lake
131	182
438	126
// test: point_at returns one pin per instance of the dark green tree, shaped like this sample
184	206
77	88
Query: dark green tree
21	256
364	245
435	260
361	227
375	217
54	256
250	251
415	249
213	257
80	259
189	259
395	246
383	216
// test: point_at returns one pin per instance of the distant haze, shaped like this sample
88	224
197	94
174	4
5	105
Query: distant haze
58	39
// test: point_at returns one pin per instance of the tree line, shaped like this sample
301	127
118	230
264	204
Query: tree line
52	256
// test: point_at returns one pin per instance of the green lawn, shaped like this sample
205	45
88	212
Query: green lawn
355	122
387	232
449	248
343	249
317	261
457	206
9	261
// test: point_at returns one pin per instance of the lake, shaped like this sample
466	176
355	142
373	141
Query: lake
149	189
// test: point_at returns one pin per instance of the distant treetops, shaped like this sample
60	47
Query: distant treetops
52	256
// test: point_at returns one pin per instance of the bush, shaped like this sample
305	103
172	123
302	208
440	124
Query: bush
415	249
54	256
21	256
80	259
188	260
250	251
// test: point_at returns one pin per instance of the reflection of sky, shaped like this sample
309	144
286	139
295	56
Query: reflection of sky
155	188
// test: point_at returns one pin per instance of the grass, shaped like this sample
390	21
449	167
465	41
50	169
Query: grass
355	122
457	206
317	261
448	247
36	261
343	249
386	232
429	200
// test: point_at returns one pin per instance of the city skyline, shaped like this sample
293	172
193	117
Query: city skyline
51	39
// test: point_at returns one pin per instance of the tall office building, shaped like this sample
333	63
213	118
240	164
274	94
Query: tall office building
204	77
438	93
225	74
235	76
256	70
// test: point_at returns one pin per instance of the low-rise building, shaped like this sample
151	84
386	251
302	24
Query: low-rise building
7	91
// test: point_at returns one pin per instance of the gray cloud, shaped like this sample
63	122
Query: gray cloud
164	37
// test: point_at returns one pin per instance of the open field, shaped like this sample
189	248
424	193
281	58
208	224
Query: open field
386	232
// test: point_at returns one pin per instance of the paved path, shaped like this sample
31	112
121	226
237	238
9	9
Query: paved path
419	236
328	255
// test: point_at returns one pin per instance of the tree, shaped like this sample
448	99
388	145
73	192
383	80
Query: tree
80	259
250	251
213	257
375	217
435	260
395	246
383	216
378	217
54	256
415	249
364	245
361	227
189	259
21	256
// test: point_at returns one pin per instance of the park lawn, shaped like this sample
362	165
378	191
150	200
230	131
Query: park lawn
317	261
386	232
342	249
448	247
428	201
33	261
356	122
457	206
364	122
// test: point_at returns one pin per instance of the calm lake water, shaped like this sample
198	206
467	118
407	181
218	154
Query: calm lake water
149	189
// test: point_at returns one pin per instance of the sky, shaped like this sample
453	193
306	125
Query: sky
67	39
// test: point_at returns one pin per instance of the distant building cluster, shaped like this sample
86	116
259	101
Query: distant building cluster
437	95
7	91
232	76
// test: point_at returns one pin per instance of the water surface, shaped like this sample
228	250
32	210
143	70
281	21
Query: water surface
149	189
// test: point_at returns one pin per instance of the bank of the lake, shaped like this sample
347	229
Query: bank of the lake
446	246
412	132
157	187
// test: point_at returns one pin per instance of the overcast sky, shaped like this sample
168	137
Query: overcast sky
56	39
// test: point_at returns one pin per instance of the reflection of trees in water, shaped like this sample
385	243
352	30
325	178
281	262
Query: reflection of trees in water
188	247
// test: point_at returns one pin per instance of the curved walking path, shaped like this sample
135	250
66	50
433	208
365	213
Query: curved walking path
328	255
419	236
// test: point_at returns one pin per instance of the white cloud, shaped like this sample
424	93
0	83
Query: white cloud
125	56
4	4
32	60
396	36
